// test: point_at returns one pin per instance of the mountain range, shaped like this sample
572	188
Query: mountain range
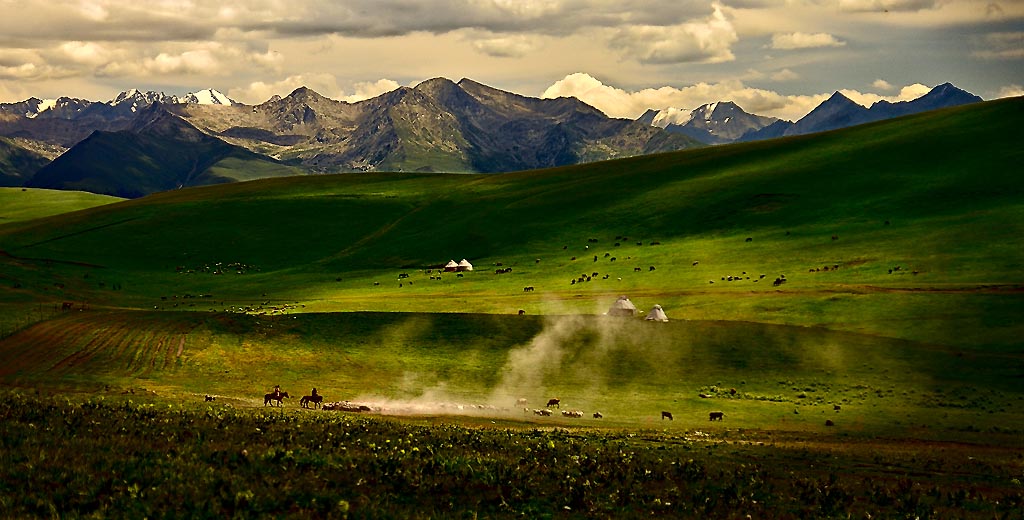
726	122
163	142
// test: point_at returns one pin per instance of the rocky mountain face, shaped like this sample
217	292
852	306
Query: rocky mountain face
717	123
438	125
17	163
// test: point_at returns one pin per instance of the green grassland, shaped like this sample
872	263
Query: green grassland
19	204
901	244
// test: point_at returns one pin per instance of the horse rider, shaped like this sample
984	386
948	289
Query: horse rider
314	392
277	391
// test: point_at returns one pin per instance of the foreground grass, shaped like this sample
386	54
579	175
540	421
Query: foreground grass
121	457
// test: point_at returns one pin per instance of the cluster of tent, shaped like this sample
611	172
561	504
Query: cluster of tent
624	307
452	266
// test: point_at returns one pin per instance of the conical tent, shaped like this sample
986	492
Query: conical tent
622	307
464	265
451	266
657	314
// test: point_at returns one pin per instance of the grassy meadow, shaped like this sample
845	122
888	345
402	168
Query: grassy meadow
870	277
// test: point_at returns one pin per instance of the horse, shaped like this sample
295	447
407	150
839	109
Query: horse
274	397
317	400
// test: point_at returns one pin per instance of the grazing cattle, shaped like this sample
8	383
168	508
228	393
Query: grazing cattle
835	237
666	415
521	312
716	416
652	268
750	239
637	269
837	407
556	402
209	398
543	413
597	415
828	422
317	400
778	282
528	288
695	263
275	396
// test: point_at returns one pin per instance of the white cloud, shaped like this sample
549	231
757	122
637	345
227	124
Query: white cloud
370	89
881	84
785	75
511	46
1010	91
1001	46
907	93
323	83
708	40
258	91
799	40
886	5
617	102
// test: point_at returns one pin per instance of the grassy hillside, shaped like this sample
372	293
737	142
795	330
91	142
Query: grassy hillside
936	194
19	204
900	244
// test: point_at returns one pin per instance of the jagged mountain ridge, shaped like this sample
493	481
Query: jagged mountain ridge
711	124
720	122
838	111
438	125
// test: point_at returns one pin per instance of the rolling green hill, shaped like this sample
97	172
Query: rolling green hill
18	204
900	243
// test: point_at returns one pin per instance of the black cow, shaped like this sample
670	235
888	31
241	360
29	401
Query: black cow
666	415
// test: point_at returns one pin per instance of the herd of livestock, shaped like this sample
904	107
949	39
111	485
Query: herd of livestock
316	401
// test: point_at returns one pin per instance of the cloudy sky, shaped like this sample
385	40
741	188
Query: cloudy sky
772	57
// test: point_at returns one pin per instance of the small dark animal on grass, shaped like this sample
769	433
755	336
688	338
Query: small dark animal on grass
597	415
837	407
554	402
209	398
317	400
521	312
666	415
716	416
828	422
274	396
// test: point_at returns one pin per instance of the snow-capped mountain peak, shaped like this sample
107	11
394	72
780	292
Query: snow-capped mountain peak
207	96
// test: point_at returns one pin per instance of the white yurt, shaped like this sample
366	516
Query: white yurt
451	266
622	307
657	314
464	265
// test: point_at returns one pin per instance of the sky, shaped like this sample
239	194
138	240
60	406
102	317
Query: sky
772	57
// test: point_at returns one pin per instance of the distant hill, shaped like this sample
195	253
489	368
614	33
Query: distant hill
158	151
18	164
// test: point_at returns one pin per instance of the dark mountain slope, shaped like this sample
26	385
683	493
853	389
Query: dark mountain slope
18	164
158	151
